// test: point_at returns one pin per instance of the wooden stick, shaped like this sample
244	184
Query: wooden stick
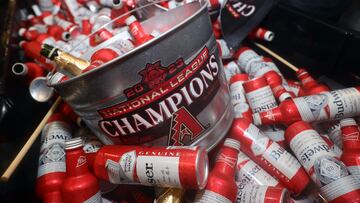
279	58
19	157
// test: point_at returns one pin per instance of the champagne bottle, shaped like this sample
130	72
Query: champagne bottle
66	63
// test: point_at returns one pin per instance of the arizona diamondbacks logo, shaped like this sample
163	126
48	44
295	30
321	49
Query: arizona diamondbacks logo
184	128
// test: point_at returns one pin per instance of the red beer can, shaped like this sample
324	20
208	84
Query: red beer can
270	155
185	167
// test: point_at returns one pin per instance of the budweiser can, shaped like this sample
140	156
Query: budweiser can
51	171
334	132
162	166
330	174
248	172
260	97
351	156
221	186
241	107
150	94
270	156
262	194
307	145
80	185
332	105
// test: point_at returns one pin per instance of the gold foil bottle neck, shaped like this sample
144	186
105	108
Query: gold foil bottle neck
171	195
70	63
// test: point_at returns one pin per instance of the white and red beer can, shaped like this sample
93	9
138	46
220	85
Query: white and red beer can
261	98
262	194
248	172
221	186
185	167
270	155
241	107
335	183
52	170
351	141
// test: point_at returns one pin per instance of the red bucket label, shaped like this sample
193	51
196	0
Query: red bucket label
165	102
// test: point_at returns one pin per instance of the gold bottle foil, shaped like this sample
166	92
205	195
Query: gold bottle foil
70	63
171	195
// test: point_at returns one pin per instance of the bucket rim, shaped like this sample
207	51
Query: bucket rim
202	7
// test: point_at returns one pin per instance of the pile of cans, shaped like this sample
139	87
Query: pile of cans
290	141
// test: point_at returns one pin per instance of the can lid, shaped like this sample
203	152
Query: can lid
239	77
130	20
347	122
232	143
202	168
73	143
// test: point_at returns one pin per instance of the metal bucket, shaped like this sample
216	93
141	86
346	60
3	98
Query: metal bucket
168	91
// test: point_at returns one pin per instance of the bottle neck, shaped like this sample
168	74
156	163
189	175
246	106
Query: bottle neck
138	33
76	162
307	81
71	64
350	136
226	161
272	116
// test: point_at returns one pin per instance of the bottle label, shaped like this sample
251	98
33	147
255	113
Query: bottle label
282	160
237	93
252	173
207	196
246	58
231	69
158	170
251	194
95	198
261	99
274	133
340	187
123	171
52	153
309	146
335	135
92	146
241	108
329	105
354	171
259	140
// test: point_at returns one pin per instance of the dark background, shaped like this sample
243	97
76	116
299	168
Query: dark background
322	37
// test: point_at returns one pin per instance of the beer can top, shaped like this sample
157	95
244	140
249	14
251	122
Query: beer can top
202	168
347	122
